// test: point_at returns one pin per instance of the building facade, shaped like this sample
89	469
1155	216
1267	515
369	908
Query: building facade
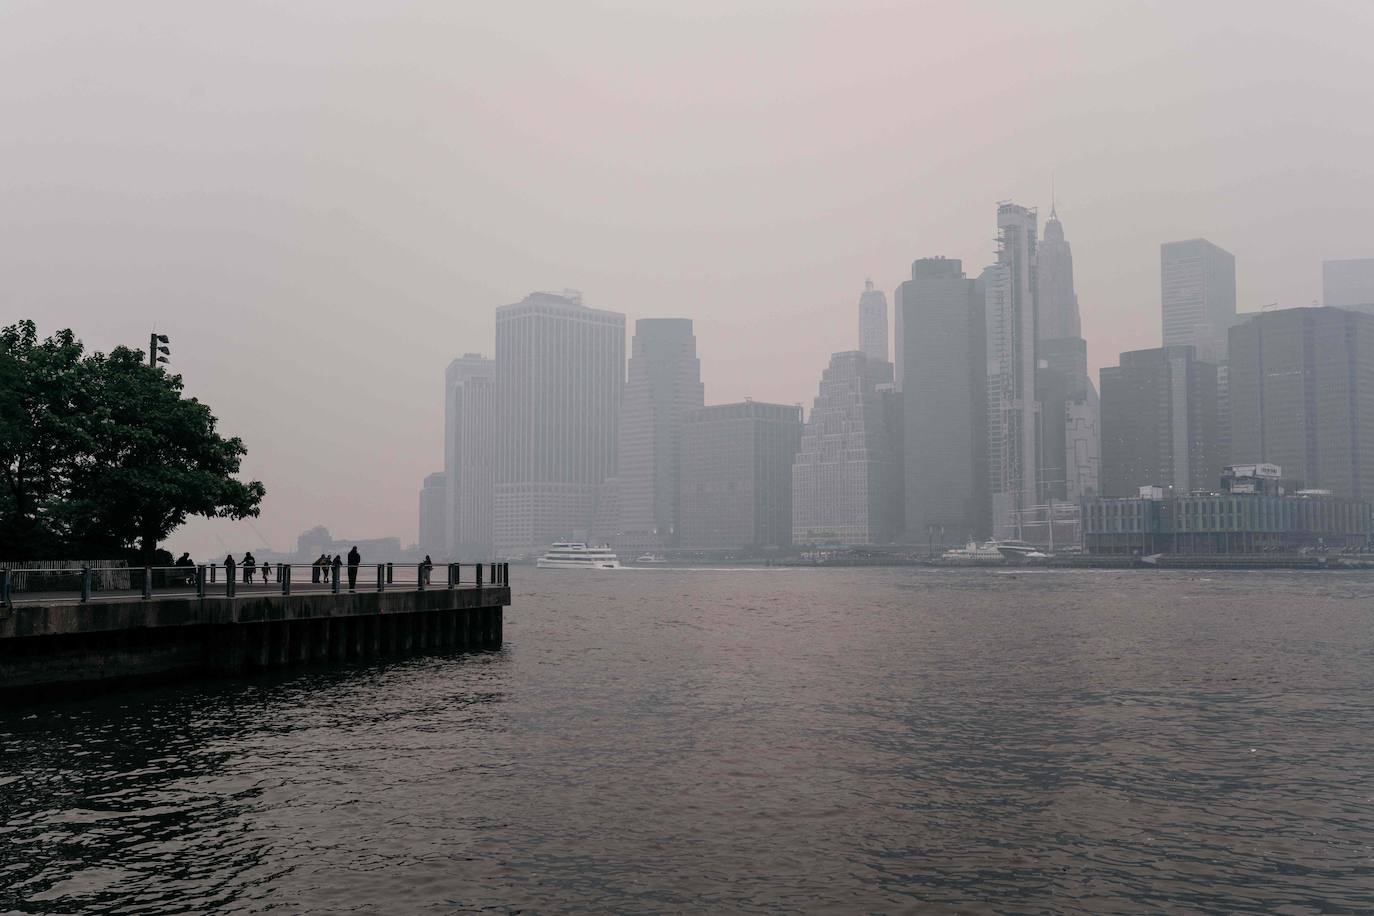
469	458
434	505
944	404
1010	291
737	475
664	382
1302	396
873	323
846	480
560	373
1197	297
1159	421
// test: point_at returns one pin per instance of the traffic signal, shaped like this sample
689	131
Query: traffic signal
157	351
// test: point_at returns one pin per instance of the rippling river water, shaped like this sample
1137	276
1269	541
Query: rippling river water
800	740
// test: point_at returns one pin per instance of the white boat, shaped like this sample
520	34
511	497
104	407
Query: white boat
574	555
1020	550
972	552
649	558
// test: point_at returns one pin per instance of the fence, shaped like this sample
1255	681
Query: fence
38	584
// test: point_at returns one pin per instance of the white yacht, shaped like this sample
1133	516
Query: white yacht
973	552
573	555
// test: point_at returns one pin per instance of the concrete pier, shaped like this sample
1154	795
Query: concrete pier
61	647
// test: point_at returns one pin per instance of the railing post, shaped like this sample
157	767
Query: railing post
338	574
147	582
284	574
479	575
231	582
200	581
420	577
85	584
505	574
452	580
389	573
212	573
381	577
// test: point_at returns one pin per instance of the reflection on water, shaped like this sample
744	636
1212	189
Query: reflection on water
1085	742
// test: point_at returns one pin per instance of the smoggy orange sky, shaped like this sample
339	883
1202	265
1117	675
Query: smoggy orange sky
322	202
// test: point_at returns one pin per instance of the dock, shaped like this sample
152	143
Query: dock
63	642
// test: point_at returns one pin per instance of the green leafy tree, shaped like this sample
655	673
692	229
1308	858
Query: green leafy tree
113	457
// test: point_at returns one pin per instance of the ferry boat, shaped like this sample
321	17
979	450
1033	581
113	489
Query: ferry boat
1020	550
973	552
574	555
650	558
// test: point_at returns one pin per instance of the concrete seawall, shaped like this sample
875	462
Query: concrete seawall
71	647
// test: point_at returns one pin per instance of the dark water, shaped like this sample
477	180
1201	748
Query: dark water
803	740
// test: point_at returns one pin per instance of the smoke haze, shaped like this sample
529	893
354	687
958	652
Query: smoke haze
322	203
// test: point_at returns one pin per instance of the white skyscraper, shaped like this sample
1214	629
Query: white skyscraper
560	371
469	456
1197	296
1010	290
873	323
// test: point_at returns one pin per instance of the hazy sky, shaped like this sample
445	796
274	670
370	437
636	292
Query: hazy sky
323	202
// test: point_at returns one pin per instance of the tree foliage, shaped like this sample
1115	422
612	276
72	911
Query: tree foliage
101	454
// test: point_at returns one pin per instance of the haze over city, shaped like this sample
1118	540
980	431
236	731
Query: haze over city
322	205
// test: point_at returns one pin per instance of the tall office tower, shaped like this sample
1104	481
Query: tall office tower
469	456
1010	294
943	403
560	371
737	475
1068	437
1058	303
1302	397
1159	419
434	503
873	323
846	478
1198	296
1349	284
664	382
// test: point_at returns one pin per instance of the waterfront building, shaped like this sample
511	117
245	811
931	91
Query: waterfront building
846	480
737	475
873	323
1009	312
469	457
1159	420
560	372
1349	284
1302	396
1197	297
664	382
434	504
944	405
1251	514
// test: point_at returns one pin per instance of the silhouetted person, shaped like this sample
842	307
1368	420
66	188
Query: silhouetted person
315	571
354	558
266	571
229	570
426	568
249	564
324	567
337	564
185	563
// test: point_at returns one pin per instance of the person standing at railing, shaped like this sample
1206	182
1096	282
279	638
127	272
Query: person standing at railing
337	564
426	568
229	569
315	572
354	558
250	563
266	571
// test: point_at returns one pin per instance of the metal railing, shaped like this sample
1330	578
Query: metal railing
35	585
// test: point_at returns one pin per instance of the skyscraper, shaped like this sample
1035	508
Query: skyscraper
846	480
469	457
1159	419
1068	436
560	372
737	474
434	504
1197	296
1302	397
1059	318
664	382
1010	295
944	403
1349	284
873	323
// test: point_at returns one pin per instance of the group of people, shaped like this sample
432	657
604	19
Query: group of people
324	567
250	565
320	571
